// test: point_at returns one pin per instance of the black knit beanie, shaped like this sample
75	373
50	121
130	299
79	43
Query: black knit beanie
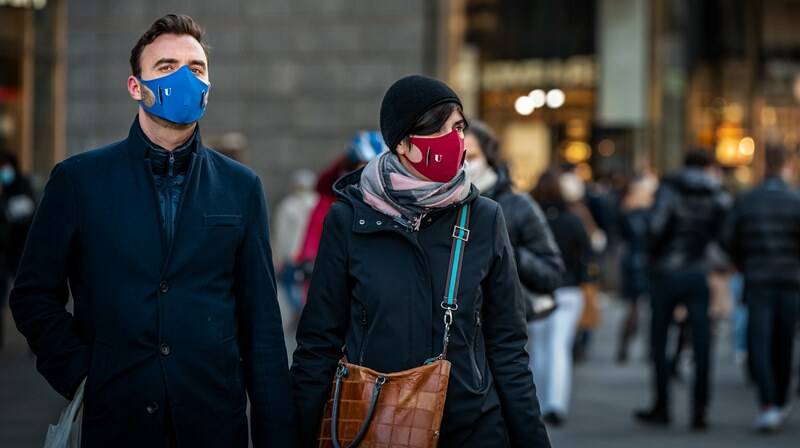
406	101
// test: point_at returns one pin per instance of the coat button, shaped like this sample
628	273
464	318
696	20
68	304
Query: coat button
380	223
163	287
164	349
152	408
362	222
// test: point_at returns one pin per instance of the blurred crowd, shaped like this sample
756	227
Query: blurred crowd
680	253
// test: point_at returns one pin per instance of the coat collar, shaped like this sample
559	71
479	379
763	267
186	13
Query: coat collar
141	147
775	183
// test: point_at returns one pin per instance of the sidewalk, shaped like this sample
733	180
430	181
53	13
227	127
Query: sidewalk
27	403
605	394
603	399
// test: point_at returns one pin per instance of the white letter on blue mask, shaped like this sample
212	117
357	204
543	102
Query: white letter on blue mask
179	97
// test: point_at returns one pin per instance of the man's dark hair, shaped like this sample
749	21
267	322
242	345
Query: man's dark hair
488	142
775	158
169	24
698	158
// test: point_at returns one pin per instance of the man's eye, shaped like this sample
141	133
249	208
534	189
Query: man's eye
197	71
165	68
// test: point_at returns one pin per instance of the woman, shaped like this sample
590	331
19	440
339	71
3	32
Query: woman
553	337
379	280
538	260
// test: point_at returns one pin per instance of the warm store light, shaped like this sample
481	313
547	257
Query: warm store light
555	98
539	98
524	105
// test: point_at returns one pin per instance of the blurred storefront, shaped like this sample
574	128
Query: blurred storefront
535	71
32	92
626	85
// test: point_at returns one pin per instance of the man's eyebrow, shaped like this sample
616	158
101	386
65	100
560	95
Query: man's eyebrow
199	62
165	61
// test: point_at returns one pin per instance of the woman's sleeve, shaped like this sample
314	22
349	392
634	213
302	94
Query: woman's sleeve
505	332
323	326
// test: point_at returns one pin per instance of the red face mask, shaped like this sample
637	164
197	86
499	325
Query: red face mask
442	157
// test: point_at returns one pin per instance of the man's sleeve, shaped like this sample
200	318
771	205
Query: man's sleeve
261	338
40	294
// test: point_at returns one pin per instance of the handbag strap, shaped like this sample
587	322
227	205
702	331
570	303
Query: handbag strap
450	302
341	373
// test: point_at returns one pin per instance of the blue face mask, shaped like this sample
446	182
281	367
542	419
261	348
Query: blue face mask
179	97
7	175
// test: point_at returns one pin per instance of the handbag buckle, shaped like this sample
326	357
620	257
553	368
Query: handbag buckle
458	231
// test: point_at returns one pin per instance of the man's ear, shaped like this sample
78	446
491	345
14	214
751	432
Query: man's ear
134	88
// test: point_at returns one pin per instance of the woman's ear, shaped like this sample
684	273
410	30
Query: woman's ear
409	151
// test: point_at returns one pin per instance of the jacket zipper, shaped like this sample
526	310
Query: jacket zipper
168	215
364	332
473	351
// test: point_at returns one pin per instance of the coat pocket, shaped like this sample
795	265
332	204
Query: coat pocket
223	220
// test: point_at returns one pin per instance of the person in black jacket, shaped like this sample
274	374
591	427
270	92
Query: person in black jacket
379	280
762	235
637	199
17	203
686	217
538	259
163	244
553	337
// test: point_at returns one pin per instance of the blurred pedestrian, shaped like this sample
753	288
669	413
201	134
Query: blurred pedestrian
637	199
553	337
538	260
574	191
18	204
384	262
762	236
687	215
291	220
365	146
164	245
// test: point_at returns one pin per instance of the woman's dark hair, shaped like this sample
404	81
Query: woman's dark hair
432	121
548	190
490	144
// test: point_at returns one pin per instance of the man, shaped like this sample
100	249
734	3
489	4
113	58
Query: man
762	236
686	217
164	245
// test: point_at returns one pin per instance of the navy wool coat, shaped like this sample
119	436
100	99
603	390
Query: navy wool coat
181	334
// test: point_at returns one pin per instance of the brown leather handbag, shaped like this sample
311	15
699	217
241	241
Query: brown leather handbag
370	409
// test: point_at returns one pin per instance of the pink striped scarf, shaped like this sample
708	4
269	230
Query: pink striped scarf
388	187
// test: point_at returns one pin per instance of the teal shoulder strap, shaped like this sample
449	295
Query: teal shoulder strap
450	302
460	237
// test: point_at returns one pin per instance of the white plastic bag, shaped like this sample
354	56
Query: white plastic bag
67	432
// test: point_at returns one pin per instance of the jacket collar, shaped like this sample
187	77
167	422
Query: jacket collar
775	183
368	220
143	148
